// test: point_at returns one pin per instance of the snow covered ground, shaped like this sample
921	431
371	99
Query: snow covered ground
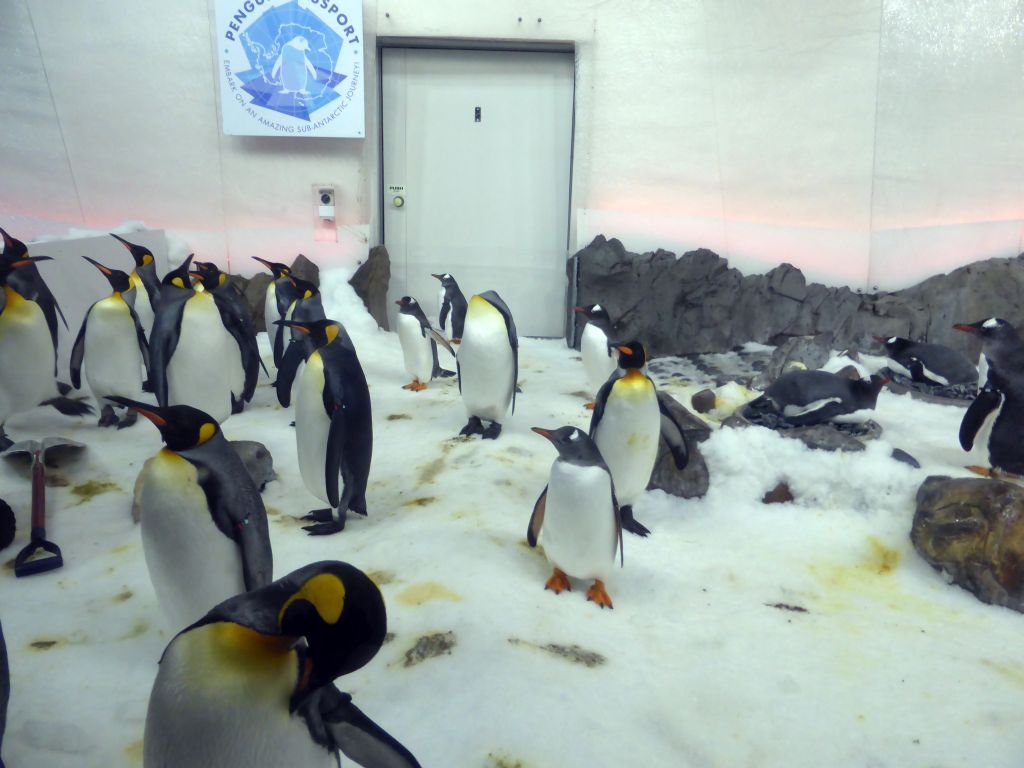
803	634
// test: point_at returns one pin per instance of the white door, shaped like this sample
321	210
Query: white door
478	145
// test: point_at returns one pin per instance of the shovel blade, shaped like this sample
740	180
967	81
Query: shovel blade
25	567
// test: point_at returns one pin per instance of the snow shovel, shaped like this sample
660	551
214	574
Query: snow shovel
23	566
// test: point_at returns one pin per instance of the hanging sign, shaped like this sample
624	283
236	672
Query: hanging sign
291	69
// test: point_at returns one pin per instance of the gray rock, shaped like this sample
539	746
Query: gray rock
255	294
371	284
824	437
304	269
257	460
696	303
704	401
810	351
692	481
973	530
900	455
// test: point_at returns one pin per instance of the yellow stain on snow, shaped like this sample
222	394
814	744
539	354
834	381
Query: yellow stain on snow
133	752
425	591
1014	674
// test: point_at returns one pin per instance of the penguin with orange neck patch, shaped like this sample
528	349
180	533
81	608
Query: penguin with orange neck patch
628	419
144	281
112	345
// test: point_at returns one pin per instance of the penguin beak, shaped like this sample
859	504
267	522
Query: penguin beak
106	271
967	328
398	302
437	277
542	432
580	310
879	339
147	410
28	260
296	326
624	350
264	262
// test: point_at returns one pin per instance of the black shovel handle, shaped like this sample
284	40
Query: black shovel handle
22	565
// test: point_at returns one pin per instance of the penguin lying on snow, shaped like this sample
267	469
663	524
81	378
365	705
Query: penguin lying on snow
28	349
419	345
204	527
333	424
251	684
451	299
145	284
814	397
628	419
577	515
1002	396
928	363
112	345
488	364
599	354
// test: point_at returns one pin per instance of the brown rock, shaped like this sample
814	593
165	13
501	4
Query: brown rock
973	530
370	283
780	494
704	401
254	292
304	269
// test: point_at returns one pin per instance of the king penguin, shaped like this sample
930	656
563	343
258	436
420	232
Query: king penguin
28	350
933	364
194	358
451	300
627	421
112	345
419	344
144	281
1000	402
488	364
251	684
599	354
577	515
280	295
204	527
333	424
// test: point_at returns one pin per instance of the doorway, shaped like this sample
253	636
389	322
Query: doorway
476	157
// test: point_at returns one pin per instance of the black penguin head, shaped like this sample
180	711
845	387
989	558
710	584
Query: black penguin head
573	444
142	255
7	266
119	282
208	275
593	313
407	305
279	269
320	332
179	278
894	344
866	390
447	281
182	427
994	329
14	249
631	355
305	288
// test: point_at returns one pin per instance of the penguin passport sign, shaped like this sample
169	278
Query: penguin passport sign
291	68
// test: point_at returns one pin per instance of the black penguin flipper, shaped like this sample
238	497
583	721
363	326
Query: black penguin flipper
446	306
242	332
5	688
672	432
348	729
78	353
140	337
459	306
164	339
492	298
986	402
286	370
537	518
278	350
618	532
439	339
599	403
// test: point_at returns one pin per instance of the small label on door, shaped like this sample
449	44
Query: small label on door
476	115
396	189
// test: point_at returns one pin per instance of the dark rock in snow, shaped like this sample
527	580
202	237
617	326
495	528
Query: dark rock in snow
780	494
371	284
692	481
972	528
255	293
704	401
900	455
810	351
257	460
304	269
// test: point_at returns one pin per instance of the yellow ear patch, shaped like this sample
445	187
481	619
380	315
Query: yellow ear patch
206	431
221	279
307	294
147	260
332	333
326	593
178	282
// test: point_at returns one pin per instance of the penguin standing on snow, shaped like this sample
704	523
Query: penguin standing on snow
1000	401
280	295
204	527
488	364
451	300
145	282
600	358
333	427
419	344
28	349
112	345
306	307
933	364
251	684
577	515
627	421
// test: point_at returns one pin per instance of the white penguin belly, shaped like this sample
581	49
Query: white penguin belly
142	306
200	371
270	310
193	566
209	708
486	363
312	427
419	359
628	436
113	362
598	360
579	533
26	357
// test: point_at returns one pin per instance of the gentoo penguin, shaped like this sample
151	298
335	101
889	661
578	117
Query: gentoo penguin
488	364
112	344
814	397
577	515
204	527
28	351
1000	400
450	299
280	295
936	364
29	284
251	684
194	357
419	344
5	691
333	428
145	282
600	358
627	421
